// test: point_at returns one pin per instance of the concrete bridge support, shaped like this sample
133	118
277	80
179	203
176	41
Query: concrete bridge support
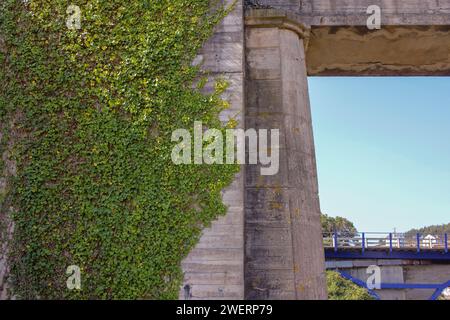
274	249
214	269
283	239
269	244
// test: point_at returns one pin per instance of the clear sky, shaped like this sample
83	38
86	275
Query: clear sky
383	150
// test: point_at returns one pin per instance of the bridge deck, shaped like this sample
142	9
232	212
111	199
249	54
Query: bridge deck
386	246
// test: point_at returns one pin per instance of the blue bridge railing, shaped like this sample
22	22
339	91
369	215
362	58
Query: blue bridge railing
386	241
386	245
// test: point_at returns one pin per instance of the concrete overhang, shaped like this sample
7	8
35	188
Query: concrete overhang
390	51
354	50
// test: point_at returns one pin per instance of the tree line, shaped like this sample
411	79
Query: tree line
434	230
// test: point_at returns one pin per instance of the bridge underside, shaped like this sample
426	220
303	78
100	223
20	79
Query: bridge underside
391	51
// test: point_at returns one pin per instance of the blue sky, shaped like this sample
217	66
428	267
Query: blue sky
383	150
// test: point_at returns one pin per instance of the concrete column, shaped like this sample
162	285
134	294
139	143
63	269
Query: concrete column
284	257
214	269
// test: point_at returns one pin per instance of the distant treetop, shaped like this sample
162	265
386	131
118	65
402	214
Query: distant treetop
339	224
433	230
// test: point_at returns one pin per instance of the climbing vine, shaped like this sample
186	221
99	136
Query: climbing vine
94	110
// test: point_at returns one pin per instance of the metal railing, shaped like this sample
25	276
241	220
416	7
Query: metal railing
385	241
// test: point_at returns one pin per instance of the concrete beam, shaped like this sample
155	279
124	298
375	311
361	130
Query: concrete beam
433	274
416	47
353	12
391	51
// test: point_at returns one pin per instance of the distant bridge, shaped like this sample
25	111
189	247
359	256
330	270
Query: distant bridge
381	245
411	268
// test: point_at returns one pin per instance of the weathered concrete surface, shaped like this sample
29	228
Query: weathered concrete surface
353	12
425	274
284	257
214	269
6	234
6	209
393	50
364	263
389	274
410	48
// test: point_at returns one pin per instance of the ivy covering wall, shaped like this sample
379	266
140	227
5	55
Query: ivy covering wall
87	115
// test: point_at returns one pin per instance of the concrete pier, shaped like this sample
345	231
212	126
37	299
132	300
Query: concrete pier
283	238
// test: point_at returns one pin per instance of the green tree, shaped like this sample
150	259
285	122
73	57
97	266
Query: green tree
338	287
342	289
339	224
